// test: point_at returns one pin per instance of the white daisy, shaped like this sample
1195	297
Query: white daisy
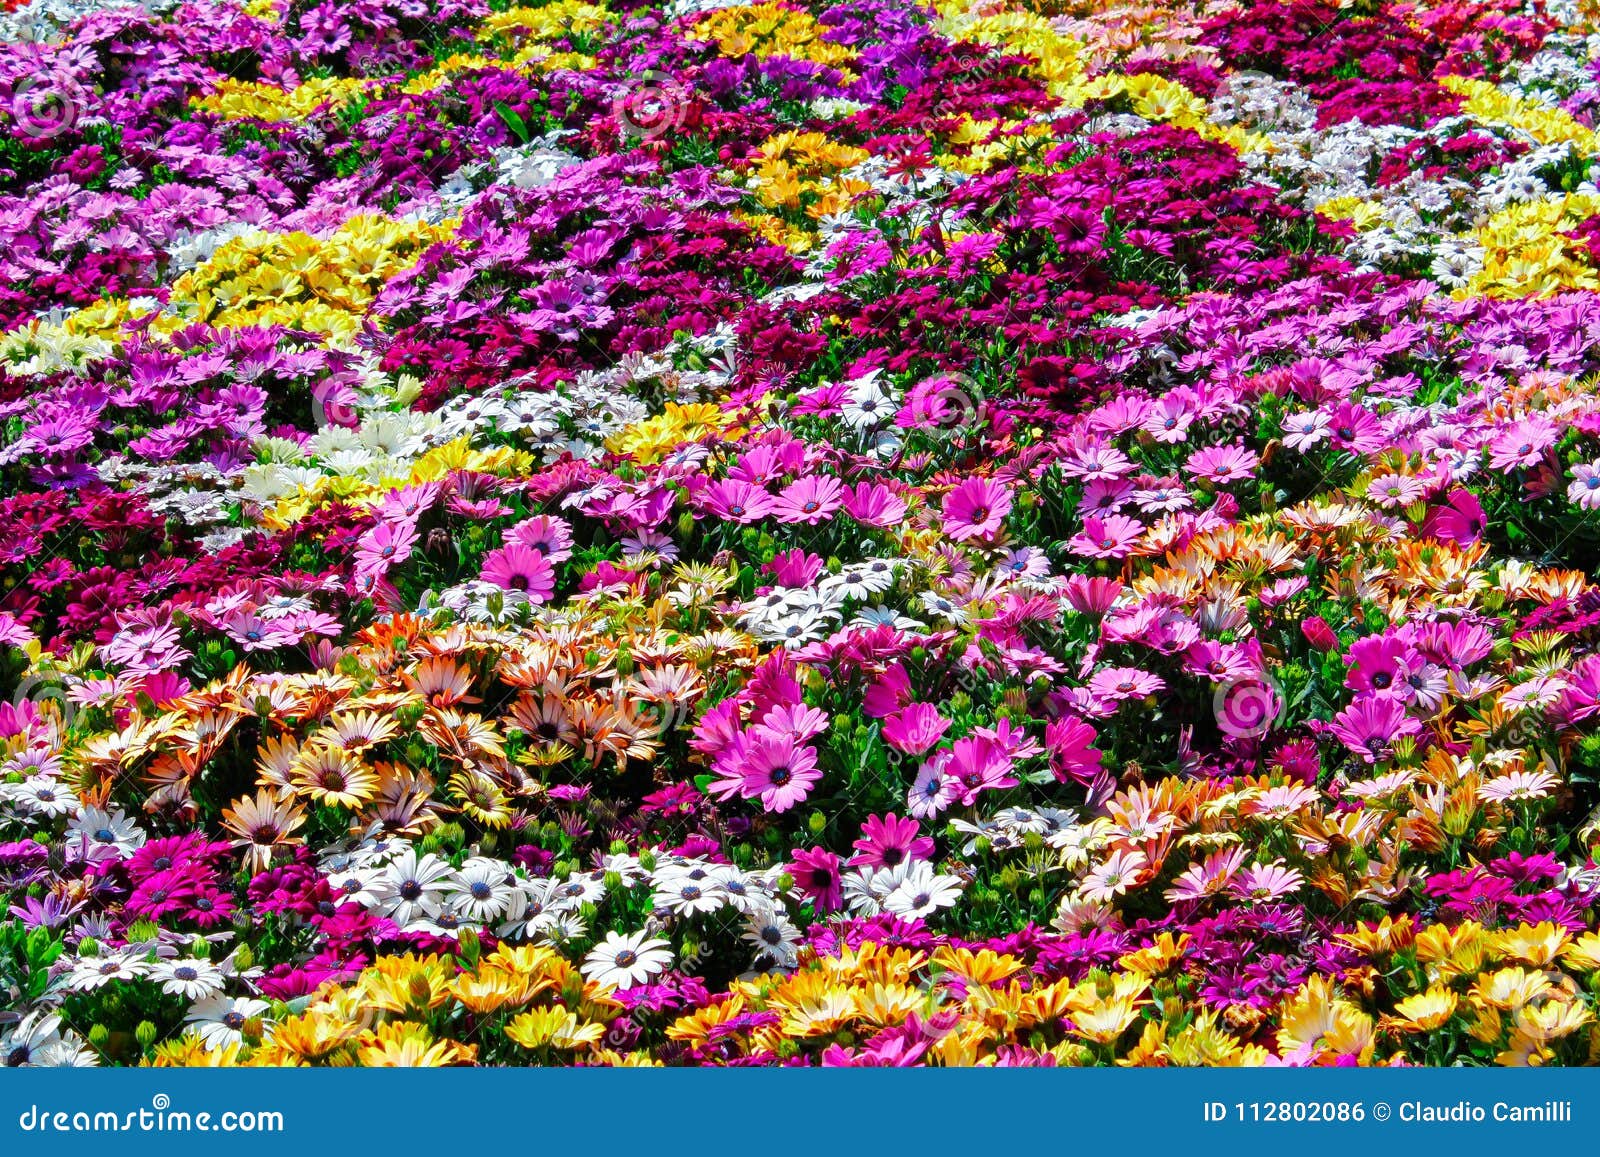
191	979
94	833
685	897
581	889
484	890
411	887
90	972
37	1041
772	935
624	961
922	891
44	795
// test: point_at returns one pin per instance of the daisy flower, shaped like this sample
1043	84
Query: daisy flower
412	886
95	832
90	972
623	961
1110	879
976	509
689	897
919	891
190	979
521	569
1584	490
219	1020
772	936
483	890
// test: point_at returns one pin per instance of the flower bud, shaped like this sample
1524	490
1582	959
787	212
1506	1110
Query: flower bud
419	990
1319	634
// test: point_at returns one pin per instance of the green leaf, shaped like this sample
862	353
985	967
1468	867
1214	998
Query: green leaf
513	120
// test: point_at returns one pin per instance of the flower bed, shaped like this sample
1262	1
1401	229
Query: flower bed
857	534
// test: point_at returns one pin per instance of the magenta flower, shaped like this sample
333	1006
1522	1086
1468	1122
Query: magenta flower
518	568
776	769
873	504
976	509
1223	464
387	544
1523	443
975	765
889	840
1461	519
795	568
1092	596
1114	685
1379	662
550	536
1370	725
816	875
1106	536
736	501
1073	755
809	500
915	728
891	692
1171	418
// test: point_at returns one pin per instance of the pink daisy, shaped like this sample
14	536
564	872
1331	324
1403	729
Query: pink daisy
915	728
810	500
519	568
976	509
888	841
